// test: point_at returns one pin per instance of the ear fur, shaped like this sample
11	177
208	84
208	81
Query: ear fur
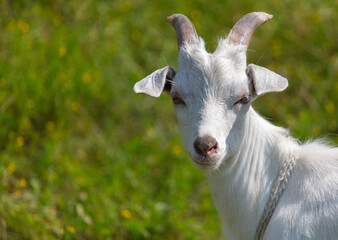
263	80
155	83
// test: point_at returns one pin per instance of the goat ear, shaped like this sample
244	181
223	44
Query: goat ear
155	83
263	80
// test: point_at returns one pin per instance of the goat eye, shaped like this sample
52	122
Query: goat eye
177	100
245	99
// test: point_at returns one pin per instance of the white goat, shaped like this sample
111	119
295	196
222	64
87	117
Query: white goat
242	153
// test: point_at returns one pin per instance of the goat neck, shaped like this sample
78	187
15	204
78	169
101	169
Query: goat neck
242	185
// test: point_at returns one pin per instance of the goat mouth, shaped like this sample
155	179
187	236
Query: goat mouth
205	160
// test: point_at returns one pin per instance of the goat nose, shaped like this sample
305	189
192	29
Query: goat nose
205	145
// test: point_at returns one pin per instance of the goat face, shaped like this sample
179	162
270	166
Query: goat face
211	93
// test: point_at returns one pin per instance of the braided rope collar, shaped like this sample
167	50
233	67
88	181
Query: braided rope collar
276	193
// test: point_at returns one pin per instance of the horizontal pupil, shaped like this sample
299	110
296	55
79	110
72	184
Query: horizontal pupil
245	99
177	100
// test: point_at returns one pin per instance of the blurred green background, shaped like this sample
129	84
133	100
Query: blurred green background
83	157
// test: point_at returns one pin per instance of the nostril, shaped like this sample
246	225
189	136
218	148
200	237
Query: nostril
198	147
205	145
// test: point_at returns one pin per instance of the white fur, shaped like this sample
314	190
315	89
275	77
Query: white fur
251	150
308	208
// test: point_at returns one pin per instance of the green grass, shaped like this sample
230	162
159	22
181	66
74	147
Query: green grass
83	157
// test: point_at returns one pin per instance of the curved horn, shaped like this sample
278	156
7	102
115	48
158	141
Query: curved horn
241	33
185	30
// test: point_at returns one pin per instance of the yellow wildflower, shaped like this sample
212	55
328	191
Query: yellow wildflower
23	26
86	78
75	106
23	183
329	107
58	223
150	132
177	150
20	141
62	51
125	6
11	167
17	192
27	123
71	229
126	213
316	130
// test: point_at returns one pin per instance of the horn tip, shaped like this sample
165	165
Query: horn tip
171	18
269	17
265	16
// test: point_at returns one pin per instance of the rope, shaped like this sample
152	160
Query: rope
275	195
